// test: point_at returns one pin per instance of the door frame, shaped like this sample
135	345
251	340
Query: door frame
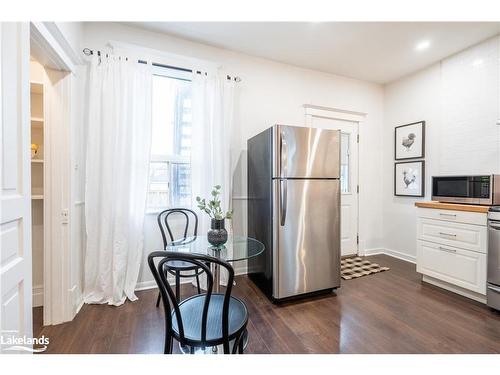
52	50
315	111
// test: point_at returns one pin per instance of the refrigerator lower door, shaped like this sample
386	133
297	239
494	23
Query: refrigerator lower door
307	236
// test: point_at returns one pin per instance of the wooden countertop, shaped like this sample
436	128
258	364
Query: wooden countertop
453	206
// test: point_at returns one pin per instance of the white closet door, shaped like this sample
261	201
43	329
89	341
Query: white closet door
15	232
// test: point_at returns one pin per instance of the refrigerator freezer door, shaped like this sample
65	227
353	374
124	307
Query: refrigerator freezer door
306	152
307	236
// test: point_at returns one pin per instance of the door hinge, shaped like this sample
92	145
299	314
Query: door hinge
357	239
357	138
357	189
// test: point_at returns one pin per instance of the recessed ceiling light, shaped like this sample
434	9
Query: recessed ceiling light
424	44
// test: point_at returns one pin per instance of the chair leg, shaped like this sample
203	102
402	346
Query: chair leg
168	344
235	345
177	286
158	299
241	344
198	282
226	347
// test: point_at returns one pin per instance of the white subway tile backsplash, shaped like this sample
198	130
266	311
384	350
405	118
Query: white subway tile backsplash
469	136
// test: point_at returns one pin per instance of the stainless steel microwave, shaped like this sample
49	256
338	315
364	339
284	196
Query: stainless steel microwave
483	190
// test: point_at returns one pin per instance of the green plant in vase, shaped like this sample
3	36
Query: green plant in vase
217	235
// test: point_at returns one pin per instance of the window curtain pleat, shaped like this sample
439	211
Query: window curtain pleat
212	143
117	167
212	137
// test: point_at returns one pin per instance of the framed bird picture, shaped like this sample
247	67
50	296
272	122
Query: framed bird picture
409	178
409	141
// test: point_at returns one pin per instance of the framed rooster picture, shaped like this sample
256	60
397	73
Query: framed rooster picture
409	177
409	141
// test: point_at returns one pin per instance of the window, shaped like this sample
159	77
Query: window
170	169
344	163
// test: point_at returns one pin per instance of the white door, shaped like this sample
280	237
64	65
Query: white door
15	232
348	180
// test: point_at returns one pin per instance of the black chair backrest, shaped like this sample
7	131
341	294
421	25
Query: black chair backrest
167	295
163	223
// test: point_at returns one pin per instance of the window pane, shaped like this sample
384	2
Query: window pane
158	195
170	177
181	185
344	163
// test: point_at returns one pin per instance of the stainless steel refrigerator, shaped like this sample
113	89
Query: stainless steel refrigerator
294	209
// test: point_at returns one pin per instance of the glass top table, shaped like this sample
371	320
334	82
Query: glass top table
236	248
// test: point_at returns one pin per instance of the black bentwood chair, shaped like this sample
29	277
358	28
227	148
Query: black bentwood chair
179	269
202	320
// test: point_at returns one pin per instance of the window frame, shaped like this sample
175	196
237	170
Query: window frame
169	159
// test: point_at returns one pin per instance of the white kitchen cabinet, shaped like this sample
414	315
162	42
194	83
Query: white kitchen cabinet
451	216
451	250
466	236
464	268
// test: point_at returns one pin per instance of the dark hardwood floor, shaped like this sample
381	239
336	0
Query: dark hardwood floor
390	312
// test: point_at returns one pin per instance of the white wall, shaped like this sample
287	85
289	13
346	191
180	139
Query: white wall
458	98
271	93
73	33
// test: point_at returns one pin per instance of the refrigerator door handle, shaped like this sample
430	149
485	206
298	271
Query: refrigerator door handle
283	201
283	156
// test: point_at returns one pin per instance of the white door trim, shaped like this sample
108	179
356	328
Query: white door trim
52	50
315	111
333	113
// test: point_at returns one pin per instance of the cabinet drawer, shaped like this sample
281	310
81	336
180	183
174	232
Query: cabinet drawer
465	236
476	218
466	269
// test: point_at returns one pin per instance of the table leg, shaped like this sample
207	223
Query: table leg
216	273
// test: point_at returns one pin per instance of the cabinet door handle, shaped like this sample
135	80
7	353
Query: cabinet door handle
494	226
447	234
452	215
494	288
447	250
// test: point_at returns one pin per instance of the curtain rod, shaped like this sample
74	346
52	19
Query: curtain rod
89	52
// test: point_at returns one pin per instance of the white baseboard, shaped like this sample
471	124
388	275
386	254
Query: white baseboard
369	252
391	253
400	255
38	296
151	284
145	285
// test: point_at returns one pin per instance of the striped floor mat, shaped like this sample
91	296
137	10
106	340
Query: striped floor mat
351	268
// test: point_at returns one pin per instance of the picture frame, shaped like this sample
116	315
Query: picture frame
409	178
409	141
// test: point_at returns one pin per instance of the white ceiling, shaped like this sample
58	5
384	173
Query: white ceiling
372	51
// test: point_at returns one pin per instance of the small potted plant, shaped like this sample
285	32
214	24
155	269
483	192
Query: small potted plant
217	235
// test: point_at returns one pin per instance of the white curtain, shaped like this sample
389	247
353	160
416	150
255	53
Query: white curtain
212	139
117	166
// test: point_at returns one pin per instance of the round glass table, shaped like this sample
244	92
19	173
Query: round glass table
235	249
